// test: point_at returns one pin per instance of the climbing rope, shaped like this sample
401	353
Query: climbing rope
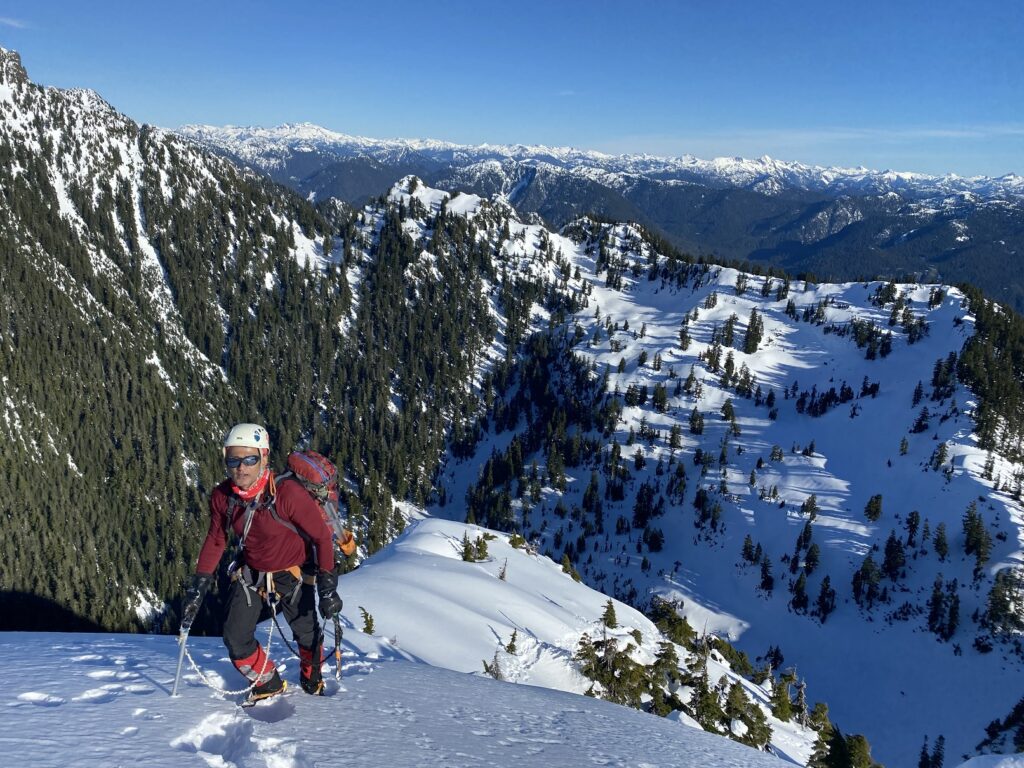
336	636
266	660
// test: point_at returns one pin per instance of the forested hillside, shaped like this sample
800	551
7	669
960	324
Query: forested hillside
152	294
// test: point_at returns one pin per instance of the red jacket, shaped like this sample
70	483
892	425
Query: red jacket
270	546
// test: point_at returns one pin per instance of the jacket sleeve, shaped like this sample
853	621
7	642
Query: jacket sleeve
305	514
216	536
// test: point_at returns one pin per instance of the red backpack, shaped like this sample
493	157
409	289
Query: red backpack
319	477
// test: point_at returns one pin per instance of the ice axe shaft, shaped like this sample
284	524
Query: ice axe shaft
337	648
182	639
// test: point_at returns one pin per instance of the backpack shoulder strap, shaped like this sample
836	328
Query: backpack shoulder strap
250	509
271	505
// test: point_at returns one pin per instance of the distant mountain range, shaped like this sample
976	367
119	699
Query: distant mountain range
839	223
277	149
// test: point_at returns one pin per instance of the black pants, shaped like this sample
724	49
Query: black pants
242	618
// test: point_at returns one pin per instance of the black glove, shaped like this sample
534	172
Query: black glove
193	599
327	591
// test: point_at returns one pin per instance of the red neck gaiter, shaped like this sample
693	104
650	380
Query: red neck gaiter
255	489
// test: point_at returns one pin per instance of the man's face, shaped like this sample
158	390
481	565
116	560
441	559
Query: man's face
244	475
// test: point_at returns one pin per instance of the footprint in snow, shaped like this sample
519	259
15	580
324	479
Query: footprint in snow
39	699
271	710
357	668
231	739
87	657
222	735
111	674
98	695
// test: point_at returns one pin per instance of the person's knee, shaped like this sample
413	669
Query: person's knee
238	633
304	628
239	644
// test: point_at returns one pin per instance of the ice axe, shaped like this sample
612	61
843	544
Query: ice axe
337	647
193	599
182	639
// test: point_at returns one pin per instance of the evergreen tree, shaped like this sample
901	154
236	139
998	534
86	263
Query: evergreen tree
918	394
782	705
866	582
938	752
977	540
838	750
873	509
812	559
367	621
895	558
859	752
767	583
748	549
810	506
608	618
696	422
800	599
826	601
1004	608
937	607
754	333
913	522
707	709
739	707
941	544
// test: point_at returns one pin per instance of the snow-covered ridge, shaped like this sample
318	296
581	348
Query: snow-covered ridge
412	690
269	148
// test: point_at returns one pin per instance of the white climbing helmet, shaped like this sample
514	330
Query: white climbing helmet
247	436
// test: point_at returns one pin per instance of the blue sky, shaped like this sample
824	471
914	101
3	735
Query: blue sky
924	86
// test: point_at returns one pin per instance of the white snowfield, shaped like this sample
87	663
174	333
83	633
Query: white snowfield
79	701
995	761
104	700
87	700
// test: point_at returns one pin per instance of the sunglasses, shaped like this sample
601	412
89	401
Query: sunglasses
233	462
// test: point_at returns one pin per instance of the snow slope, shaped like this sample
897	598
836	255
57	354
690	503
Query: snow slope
87	700
103	700
405	698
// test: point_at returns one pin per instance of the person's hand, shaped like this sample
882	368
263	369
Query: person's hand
327	591
193	599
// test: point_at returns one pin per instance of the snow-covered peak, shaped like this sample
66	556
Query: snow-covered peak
268	147
11	69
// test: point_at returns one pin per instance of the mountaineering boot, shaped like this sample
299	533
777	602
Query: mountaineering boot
272	687
310	677
260	670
